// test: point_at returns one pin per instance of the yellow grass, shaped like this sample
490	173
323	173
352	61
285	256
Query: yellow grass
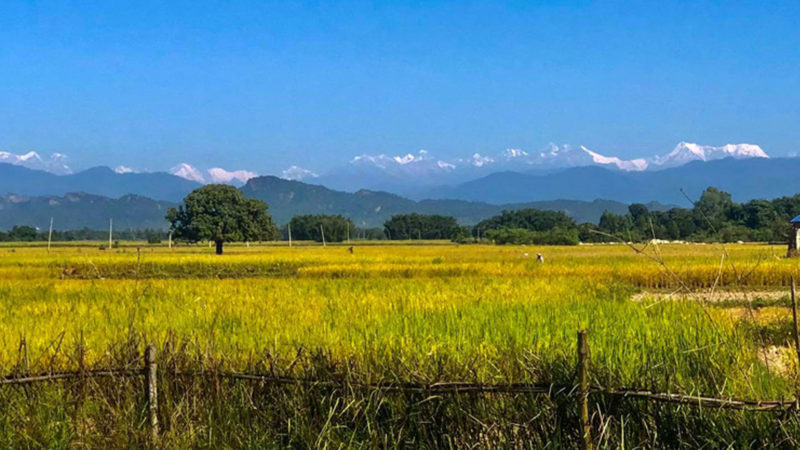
488	310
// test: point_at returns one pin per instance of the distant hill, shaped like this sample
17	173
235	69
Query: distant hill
285	199
78	210
371	208
745	179
98	180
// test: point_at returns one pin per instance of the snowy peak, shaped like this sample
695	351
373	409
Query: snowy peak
686	152
513	153
188	172
56	163
565	155
413	170
123	170
477	160
411	164
297	173
633	165
213	175
220	175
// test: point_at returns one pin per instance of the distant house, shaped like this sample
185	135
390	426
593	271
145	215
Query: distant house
794	238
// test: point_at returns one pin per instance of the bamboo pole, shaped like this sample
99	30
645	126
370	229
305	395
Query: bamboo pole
794	321
151	390
23	355
50	235
583	384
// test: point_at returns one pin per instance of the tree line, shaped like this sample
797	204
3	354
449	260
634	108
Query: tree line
715	217
221	214
24	233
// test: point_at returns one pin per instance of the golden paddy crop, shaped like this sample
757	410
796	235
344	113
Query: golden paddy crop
476	307
427	311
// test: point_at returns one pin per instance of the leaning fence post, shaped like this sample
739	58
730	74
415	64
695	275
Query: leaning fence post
583	386
23	350
794	321
151	389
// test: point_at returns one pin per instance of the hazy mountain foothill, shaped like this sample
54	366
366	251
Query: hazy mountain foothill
138	200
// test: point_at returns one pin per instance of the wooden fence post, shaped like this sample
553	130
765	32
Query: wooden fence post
151	389
794	321
23	356
583	386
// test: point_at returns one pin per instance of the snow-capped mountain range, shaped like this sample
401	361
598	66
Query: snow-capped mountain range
419	169
212	175
56	163
555	156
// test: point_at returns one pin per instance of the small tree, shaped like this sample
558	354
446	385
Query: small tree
220	213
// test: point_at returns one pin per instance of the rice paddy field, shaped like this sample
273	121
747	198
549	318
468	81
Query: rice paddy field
681	318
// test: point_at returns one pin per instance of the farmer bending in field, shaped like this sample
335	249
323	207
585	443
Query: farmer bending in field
540	257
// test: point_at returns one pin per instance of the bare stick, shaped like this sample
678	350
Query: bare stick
151	390
583	385
23	351
50	235
794	319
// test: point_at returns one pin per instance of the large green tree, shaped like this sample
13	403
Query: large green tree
310	227
220	213
421	226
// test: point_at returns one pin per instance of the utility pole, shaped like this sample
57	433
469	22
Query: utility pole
170	239
348	232
110	231
322	230
50	235
290	233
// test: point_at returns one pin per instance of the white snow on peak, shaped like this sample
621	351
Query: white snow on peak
479	161
410	157
633	165
512	153
30	156
744	151
219	175
686	152
123	169
445	165
213	175
188	172
298	173
409	162
412	166
56	163
404	159
377	160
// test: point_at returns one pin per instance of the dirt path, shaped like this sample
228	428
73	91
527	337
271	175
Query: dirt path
712	297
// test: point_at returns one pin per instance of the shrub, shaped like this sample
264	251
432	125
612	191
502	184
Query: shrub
519	236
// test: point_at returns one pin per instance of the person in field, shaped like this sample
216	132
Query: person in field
540	257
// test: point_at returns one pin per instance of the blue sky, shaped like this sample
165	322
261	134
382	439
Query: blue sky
264	85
